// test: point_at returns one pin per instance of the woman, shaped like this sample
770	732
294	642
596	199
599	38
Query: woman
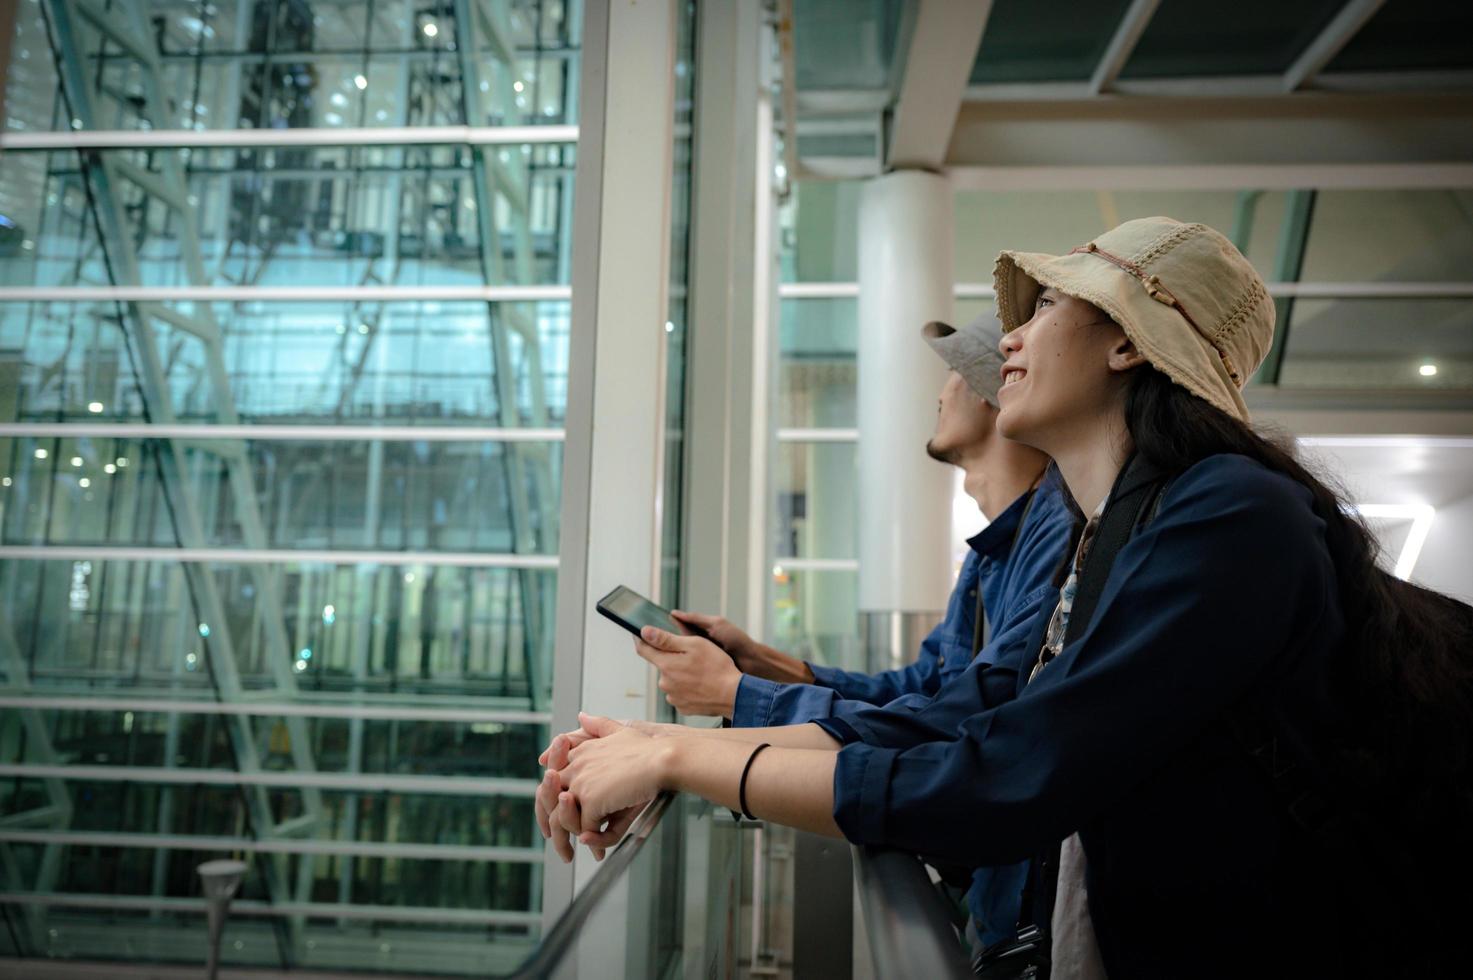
1242	632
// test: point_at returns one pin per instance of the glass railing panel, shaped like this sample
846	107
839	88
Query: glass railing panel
665	904
907	927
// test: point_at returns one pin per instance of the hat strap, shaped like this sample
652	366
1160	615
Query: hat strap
1157	291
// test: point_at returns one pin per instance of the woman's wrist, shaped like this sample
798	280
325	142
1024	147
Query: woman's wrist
673	752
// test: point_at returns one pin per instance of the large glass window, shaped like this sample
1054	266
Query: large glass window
280	479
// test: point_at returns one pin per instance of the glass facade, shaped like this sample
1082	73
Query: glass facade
321	642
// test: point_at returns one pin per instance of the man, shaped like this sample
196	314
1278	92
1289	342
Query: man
1010	562
1006	578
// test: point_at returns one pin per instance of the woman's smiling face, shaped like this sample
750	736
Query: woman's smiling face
1060	370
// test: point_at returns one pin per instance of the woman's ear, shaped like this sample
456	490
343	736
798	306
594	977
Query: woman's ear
1124	356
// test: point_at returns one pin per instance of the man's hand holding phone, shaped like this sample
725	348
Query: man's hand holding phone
751	657
697	676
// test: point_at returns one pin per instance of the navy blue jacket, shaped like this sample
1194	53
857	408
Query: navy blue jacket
1229	593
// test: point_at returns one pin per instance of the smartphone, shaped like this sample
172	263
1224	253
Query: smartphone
634	612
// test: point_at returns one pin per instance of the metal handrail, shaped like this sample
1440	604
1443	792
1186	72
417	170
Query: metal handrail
563	936
909	931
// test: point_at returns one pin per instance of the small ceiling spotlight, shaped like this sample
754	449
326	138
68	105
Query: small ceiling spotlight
1428	370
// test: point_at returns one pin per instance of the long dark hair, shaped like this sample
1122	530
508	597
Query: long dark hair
1405	675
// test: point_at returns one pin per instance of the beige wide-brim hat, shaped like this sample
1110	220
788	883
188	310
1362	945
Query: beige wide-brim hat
1185	296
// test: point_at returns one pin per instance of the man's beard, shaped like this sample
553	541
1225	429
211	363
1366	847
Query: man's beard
941	455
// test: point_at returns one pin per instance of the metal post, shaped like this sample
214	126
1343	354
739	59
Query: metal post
220	880
1293	238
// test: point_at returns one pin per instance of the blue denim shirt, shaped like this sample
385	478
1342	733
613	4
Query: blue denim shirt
1013	565
1230	592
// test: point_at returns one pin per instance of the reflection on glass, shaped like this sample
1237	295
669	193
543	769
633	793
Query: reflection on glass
415	496
343	632
401	362
301	216
187	740
676	325
817	367
817	500
1027	42
1267	37
279	64
815	616
403	629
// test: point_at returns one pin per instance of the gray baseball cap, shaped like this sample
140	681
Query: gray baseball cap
971	352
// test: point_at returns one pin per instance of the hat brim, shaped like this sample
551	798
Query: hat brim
965	353
1162	335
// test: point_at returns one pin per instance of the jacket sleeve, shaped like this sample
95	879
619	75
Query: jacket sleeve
989	681
761	703
921	677
1233	549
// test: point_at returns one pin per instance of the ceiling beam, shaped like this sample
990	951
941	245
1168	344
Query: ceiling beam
943	48
1300	132
1351	18
1452	81
1195	177
1117	52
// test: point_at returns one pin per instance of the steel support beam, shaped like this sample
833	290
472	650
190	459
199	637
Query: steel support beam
943	48
1293	238
1322	50
1137	18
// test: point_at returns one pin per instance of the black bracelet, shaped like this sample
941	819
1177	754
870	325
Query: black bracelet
742	786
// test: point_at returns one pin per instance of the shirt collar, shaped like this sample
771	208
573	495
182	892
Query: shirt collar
996	539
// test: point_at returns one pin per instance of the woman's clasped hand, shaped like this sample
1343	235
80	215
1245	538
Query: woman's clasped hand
599	777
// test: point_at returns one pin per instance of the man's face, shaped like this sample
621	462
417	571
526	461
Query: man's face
964	421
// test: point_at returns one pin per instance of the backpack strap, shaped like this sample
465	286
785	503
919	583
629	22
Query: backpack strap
1134	500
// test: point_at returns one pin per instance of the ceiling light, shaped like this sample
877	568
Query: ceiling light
1421	516
76	461
41	454
1427	370
431	30
360	81
95	408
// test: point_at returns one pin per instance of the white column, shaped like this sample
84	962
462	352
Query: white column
905	272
